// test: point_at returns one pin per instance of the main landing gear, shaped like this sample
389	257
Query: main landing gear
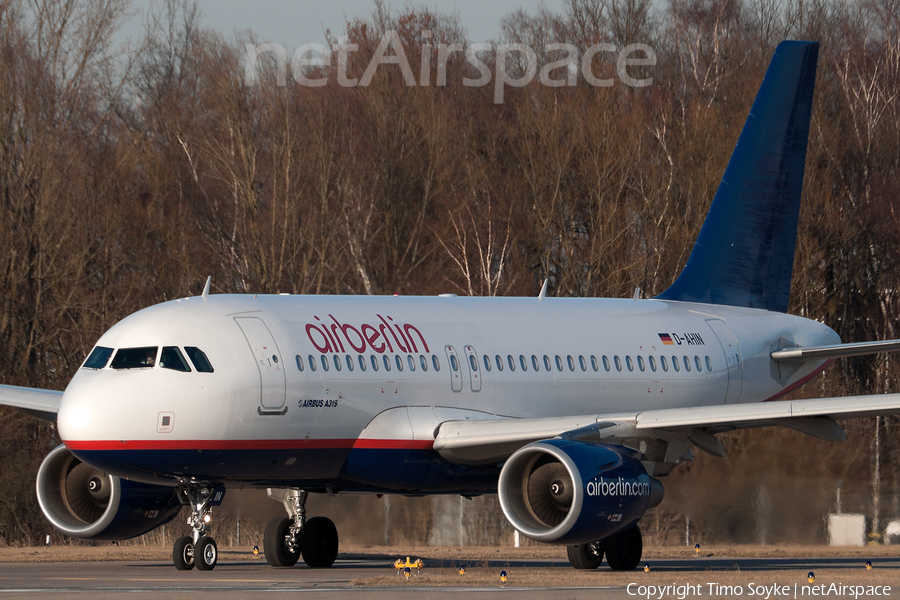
198	550
287	539
623	551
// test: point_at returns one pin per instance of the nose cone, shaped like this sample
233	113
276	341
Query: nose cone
93	408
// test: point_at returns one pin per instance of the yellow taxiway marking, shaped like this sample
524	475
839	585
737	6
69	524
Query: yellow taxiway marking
168	579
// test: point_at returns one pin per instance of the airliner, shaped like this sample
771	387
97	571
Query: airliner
572	410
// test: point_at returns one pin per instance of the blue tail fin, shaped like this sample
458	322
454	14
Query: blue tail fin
744	255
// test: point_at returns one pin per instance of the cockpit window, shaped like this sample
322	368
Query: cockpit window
98	358
172	358
134	358
197	356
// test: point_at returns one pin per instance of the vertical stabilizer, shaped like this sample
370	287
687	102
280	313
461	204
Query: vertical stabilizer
744	255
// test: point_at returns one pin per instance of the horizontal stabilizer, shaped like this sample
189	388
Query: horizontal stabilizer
835	351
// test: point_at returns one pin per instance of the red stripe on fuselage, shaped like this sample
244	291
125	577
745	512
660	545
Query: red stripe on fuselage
248	444
794	386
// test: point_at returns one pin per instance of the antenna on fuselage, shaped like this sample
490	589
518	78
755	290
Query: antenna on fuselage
205	293
543	293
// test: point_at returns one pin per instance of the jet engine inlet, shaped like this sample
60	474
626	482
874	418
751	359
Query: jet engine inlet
76	498
569	492
87	503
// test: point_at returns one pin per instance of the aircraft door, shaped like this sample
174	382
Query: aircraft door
474	372
272	386
455	369
732	359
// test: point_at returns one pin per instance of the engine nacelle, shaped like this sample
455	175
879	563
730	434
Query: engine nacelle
567	492
89	504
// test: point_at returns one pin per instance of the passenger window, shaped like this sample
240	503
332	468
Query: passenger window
581	363
675	363
523	363
606	363
324	363
299	363
512	363
423	362
687	363
559	366
664	363
411	362
198	357
652	363
618	362
629	363
399	362
534	363
499	362
98	358
349	362
473	364
487	362
374	362
594	364
697	363
640	360
435	362
312	363
708	364
135	358
453	363
571	362
337	362
362	362
387	362
546	362
172	358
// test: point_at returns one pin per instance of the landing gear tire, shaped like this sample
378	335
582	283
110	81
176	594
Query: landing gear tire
206	554
586	556
183	553
275	543
624	549
319	542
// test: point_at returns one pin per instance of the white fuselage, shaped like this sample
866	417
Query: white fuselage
312	378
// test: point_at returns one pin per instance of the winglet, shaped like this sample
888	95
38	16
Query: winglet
744	255
205	293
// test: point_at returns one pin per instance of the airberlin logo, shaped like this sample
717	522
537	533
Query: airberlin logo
617	487
331	335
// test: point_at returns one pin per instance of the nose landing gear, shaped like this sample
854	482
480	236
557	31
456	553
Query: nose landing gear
200	549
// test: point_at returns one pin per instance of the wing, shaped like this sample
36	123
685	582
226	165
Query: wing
43	404
663	437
